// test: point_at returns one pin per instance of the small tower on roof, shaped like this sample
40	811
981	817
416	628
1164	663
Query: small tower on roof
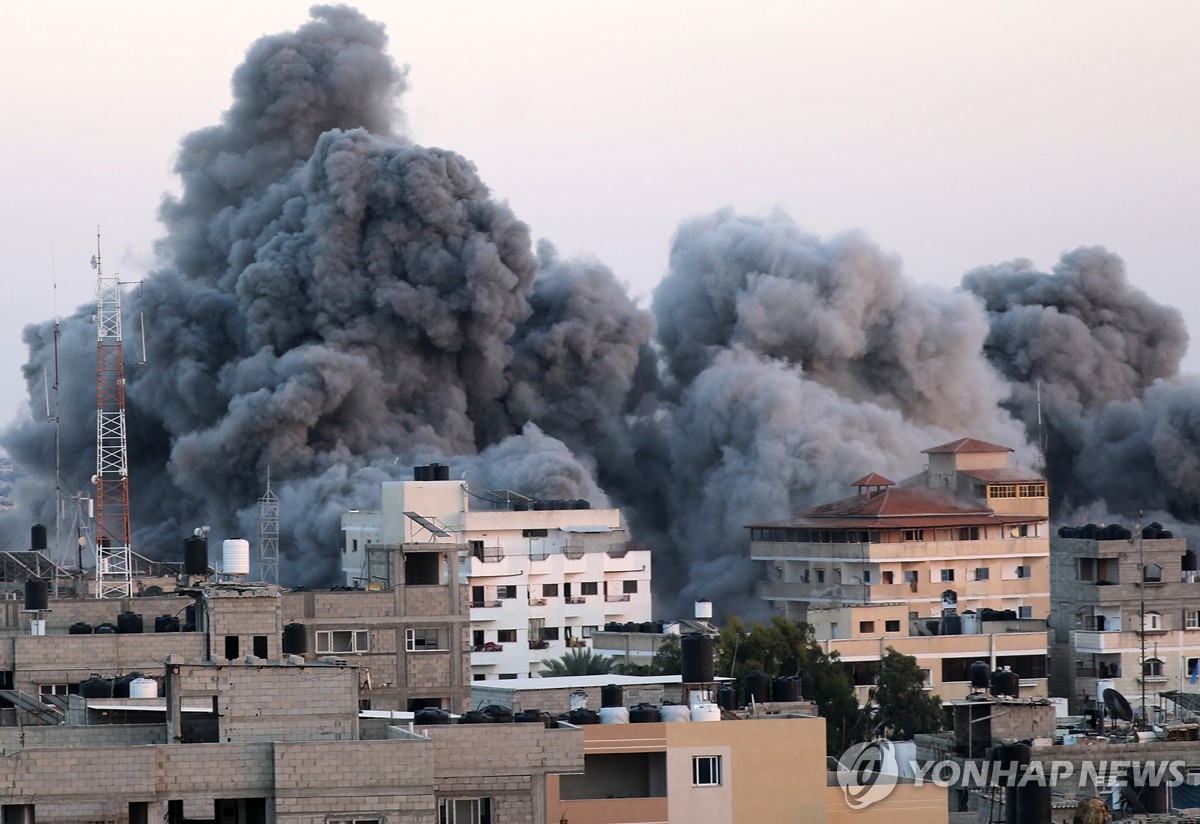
871	485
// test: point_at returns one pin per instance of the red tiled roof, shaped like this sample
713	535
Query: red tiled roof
967	445
898	507
874	479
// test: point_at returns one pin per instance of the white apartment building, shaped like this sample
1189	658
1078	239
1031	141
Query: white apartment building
544	575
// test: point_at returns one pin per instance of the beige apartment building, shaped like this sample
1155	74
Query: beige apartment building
950	566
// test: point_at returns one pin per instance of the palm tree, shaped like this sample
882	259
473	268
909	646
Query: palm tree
578	662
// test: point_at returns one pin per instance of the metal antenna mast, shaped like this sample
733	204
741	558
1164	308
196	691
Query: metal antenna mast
114	556
268	535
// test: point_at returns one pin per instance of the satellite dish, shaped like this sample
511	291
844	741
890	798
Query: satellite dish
1118	707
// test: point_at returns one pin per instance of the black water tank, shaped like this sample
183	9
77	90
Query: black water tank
295	639
951	624
997	682
979	675
1033	802
727	697
166	623
79	628
195	555
431	715
644	714
630	626
1011	758
612	626
697	653
646	626
106	629
37	537
475	717
612	695
582	715
1153	796
96	688
756	685
529	717
37	594
785	688
441	472
120	687
1013	687
580	503
934	627
541	506
129	623
422	473
1188	562
499	713
1166	534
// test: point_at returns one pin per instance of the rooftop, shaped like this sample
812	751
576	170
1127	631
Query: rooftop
967	445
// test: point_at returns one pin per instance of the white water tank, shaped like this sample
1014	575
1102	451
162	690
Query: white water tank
614	715
704	610
706	712
970	623
1102	685
143	688
235	556
675	712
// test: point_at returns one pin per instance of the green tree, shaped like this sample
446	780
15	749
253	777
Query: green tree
669	658
581	661
786	647
902	708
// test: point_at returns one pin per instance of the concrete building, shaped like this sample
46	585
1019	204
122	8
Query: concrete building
1101	583
251	738
949	566
727	772
543	576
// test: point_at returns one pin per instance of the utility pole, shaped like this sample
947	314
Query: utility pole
1142	593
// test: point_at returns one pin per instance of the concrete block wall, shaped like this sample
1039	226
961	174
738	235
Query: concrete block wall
245	615
559	700
57	659
107	735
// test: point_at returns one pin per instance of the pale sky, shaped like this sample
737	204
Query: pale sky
953	133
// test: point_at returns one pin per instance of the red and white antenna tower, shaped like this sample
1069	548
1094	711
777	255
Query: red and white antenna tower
114	556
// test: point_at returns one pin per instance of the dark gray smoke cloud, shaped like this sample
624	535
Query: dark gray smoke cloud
336	303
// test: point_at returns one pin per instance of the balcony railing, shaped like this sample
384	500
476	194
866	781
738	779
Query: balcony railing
575	599
488	553
615	598
490	646
538	554
537	602
484	604
539	644
617	550
573	551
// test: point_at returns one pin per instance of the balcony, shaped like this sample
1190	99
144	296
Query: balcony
617	550
488	554
573	551
575	599
1113	641
539	645
485	604
537	602
613	599
490	646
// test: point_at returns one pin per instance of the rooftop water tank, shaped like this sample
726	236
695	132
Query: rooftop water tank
979	675
784	688
37	538
756	686
727	697
499	713
581	716
704	610
614	715
143	688
672	713
235	556
195	555
697	653
37	594
612	695
644	714
431	715
706	711
474	717
129	623
79	628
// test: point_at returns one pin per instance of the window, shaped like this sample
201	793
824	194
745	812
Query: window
549	590
820	576
1152	574
910	576
589	588
231	647
1152	668
465	810
914	535
891	626
866	576
588	631
1191	619
1002	490
1031	490
534	533
1152	622
427	639
507	676
1024	612
888	577
1024	571
629	587
506	591
46	690
1087	569
947	575
260	646
343	640
978	574
967	533
706	771
506	636
549	633
866	627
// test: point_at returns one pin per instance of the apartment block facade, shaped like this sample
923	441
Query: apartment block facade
950	566
1126	617
542	575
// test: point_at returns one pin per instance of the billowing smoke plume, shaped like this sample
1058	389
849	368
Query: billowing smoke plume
336	303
